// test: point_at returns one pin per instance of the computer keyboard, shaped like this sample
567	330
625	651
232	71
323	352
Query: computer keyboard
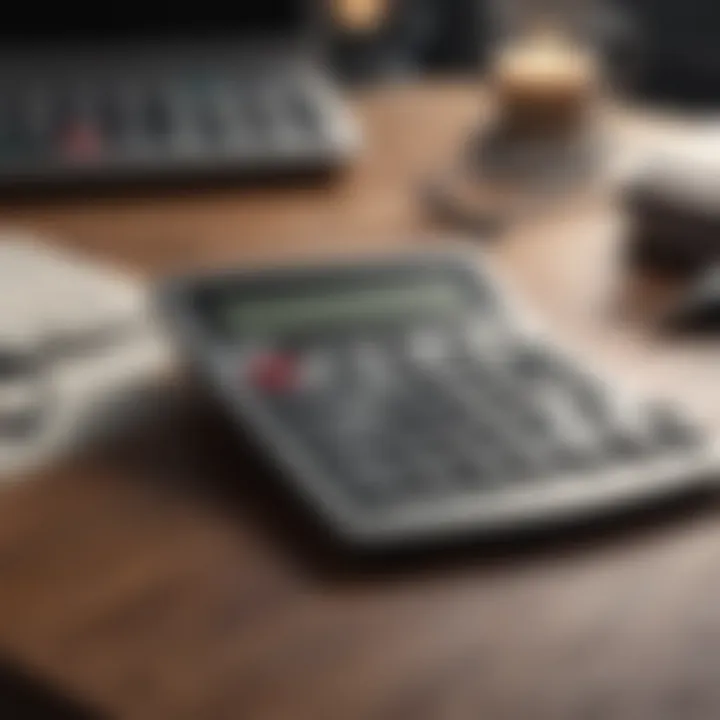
216	121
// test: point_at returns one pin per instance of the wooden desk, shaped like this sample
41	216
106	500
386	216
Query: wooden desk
150	585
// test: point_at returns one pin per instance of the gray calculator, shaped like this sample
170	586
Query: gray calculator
405	401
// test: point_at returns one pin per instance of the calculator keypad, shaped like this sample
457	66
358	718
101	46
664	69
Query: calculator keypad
424	416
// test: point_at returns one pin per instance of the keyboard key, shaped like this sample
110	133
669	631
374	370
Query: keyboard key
157	117
23	135
303	112
209	124
253	112
275	373
81	141
34	118
113	115
428	348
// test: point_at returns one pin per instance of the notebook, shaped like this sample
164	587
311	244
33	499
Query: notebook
80	356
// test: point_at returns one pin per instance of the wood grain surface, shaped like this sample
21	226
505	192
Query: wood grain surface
163	578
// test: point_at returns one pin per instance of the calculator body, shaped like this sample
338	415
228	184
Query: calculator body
406	402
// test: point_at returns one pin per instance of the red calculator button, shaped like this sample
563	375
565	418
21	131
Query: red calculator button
275	372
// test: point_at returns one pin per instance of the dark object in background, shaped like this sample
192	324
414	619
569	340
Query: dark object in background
417	38
25	697
198	93
406	404
674	226
665	50
673	208
414	38
679	51
699	308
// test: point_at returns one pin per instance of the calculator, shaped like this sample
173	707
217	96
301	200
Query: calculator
406	399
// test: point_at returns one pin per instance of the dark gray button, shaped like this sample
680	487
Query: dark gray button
670	429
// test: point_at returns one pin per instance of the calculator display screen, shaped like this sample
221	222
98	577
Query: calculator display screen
337	309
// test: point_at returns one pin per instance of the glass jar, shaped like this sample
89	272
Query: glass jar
544	69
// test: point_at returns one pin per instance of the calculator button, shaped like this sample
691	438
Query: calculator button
303	111
479	468
670	429
592	404
427	348
570	457
319	371
628	445
485	339
532	362
370	362
374	486
274	372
